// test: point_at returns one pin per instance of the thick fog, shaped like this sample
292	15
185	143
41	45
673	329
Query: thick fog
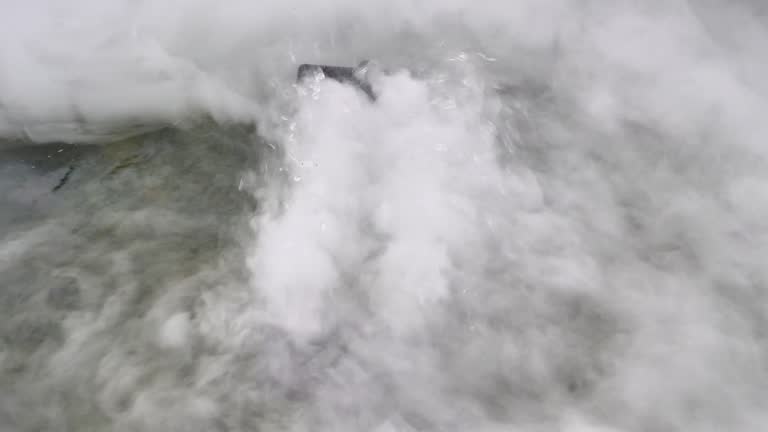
552	218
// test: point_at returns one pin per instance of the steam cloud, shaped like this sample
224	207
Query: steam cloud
553	218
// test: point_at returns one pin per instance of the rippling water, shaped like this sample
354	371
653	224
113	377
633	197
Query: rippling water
551	219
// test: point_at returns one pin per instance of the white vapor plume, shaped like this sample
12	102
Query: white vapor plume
372	198
552	217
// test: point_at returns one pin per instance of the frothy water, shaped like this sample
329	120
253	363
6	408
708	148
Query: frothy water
551	219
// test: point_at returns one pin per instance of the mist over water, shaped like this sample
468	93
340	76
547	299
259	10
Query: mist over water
551	219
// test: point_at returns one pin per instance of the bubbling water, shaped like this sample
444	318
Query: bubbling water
550	219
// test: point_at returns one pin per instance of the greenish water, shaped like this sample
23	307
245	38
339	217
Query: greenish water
553	220
133	225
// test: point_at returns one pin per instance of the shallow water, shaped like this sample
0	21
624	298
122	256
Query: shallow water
554	222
